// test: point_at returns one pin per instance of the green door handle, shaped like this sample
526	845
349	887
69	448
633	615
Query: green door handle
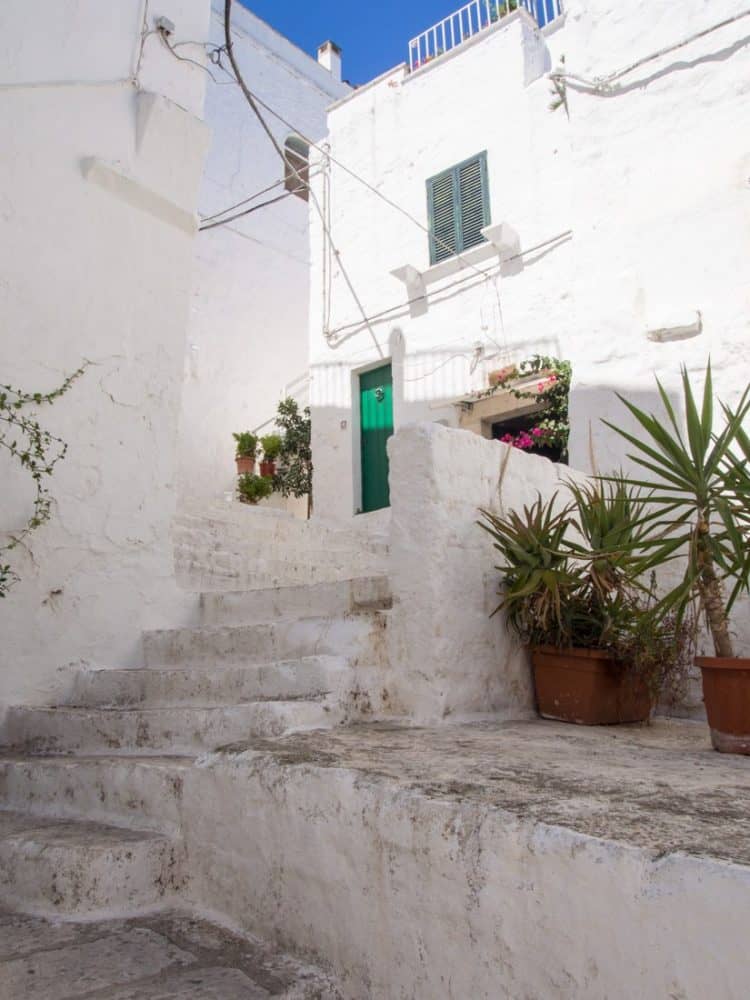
380	394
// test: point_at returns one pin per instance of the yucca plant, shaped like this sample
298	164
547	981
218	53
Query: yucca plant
698	496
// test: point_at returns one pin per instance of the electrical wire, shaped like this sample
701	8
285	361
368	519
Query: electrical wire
418	378
284	159
603	83
371	187
256	102
165	38
239	204
490	272
248	211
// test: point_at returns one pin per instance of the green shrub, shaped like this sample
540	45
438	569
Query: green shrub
271	445
252	489
247	444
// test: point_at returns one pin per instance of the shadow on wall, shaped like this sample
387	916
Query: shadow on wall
594	447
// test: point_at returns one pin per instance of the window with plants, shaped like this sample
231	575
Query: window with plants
544	381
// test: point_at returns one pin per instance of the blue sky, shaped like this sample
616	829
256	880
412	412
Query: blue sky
373	35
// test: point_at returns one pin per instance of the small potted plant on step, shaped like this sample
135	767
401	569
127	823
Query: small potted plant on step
247	449
570	595
271	445
252	489
700	486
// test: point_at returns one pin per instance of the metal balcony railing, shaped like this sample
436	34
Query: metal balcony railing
470	20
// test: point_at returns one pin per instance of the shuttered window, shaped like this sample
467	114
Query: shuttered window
458	208
297	167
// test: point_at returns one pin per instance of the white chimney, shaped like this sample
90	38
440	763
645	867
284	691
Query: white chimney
329	57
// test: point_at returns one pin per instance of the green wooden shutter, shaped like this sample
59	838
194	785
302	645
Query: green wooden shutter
442	211
458	208
474	200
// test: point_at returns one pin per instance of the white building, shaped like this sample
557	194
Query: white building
106	160
612	232
248	338
103	151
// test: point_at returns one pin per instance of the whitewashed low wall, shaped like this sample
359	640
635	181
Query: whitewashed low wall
406	894
448	656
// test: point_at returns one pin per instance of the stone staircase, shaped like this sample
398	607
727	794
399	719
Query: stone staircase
243	547
91	809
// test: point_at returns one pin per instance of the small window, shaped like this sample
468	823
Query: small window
458	206
297	171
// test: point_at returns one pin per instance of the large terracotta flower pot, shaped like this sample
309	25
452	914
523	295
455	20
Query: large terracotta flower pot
245	463
726	692
586	686
268	469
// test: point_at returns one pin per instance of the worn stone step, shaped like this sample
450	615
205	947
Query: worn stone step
180	731
141	792
84	869
208	686
250	607
360	635
236	521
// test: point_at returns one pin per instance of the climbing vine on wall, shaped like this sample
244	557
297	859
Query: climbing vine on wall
37	451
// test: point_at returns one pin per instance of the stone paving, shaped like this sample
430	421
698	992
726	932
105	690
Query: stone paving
165	957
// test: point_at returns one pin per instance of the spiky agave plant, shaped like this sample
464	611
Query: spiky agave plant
610	520
696	486
539	581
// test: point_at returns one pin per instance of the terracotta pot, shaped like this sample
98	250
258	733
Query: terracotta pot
245	463
726	692
586	686
268	469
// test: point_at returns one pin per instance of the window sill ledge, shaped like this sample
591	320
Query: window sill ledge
502	242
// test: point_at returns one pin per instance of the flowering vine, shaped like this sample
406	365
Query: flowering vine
551	425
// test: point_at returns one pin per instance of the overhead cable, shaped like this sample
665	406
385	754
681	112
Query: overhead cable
604	83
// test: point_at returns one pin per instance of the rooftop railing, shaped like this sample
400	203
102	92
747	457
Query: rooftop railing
470	20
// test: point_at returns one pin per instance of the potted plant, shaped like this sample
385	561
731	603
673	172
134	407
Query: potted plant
700	488
247	449
252	489
271	445
570	594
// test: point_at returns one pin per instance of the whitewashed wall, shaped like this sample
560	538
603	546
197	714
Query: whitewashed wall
653	184
95	267
248	341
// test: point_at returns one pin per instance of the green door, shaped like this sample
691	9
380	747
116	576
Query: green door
376	417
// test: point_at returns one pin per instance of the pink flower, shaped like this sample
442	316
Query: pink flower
537	432
507	438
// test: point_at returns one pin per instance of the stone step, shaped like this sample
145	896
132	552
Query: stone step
179	731
236	573
208	686
249	607
276	526
361	635
64	868
143	792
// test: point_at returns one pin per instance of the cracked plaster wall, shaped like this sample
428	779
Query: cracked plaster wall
99	176
653	181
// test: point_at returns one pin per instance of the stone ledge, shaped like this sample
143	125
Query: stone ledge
660	787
